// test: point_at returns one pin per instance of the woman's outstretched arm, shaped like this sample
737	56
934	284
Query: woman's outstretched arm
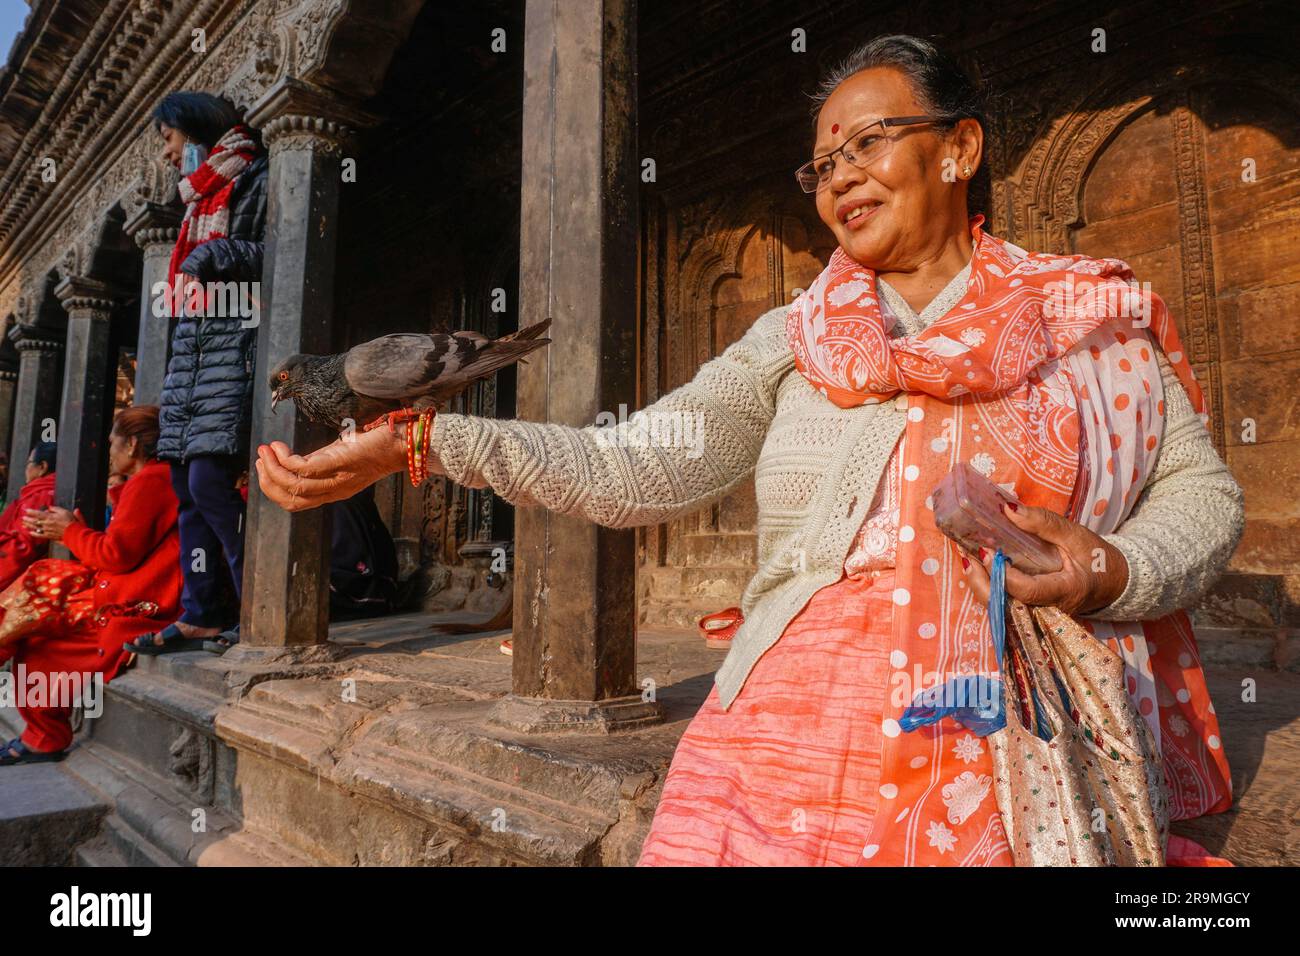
683	452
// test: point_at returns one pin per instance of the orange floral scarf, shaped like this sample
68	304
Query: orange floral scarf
1044	378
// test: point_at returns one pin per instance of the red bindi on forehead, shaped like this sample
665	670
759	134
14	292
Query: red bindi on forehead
835	128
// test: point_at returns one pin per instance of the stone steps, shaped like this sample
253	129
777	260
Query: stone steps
676	596
679	596
45	813
123	842
121	759
676	614
670	583
152	821
99	852
720	550
715	569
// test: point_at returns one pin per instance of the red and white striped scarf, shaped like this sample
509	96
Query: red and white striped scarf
206	194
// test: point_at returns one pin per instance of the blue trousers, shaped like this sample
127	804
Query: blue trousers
211	524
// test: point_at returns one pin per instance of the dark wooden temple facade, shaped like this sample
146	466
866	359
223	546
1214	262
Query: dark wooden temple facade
625	169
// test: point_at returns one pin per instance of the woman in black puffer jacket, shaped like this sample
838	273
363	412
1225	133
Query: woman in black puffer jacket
206	404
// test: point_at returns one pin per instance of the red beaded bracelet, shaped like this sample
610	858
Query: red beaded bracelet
418	433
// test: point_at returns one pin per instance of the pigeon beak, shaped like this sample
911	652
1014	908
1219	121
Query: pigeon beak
275	400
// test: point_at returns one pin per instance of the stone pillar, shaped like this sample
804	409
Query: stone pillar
154	228
575	598
89	384
40	376
286	556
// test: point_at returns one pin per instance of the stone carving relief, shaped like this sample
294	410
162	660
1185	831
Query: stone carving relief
312	23
190	762
253	59
70	263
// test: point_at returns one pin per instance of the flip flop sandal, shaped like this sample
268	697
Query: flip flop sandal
720	627
223	641
26	755
173	641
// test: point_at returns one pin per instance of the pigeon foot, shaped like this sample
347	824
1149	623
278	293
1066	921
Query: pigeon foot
393	419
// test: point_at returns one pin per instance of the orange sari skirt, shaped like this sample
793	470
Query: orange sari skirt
790	775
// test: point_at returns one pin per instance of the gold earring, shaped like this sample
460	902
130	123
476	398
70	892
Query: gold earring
966	171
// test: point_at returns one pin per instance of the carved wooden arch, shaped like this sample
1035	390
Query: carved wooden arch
110	255
43	308
714	254
8	368
347	45
1044	197
711	247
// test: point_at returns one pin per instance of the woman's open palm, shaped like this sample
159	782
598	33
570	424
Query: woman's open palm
337	471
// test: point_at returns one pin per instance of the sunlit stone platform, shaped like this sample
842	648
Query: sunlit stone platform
377	750
380	752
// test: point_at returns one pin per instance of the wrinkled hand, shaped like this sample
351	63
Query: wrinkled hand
49	524
1093	572
337	471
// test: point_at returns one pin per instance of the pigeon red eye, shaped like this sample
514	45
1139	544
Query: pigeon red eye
284	376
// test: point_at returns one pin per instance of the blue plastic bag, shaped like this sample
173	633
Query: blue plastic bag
975	701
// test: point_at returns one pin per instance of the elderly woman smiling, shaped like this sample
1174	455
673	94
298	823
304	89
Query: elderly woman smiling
925	344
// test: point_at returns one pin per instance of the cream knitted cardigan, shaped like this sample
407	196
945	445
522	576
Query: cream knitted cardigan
815	468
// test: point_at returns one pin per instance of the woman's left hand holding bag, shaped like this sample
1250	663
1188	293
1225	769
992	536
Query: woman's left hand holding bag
1093	572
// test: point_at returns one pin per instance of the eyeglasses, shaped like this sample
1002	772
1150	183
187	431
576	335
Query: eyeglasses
868	145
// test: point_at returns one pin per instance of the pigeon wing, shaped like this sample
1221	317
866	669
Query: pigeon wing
489	358
407	365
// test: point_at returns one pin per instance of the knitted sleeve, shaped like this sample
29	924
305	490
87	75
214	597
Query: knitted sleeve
1186	522
688	449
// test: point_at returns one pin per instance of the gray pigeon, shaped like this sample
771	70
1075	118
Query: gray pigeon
393	372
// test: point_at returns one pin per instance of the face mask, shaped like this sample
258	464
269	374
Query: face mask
192	157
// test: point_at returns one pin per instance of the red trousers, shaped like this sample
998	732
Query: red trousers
82	649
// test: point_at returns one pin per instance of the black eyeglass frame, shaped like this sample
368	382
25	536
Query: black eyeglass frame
885	122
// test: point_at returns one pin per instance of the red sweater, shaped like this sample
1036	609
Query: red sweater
138	557
18	549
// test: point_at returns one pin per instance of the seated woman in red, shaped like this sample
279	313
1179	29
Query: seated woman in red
18	548
135	584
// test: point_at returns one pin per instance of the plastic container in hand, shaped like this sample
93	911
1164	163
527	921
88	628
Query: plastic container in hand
968	509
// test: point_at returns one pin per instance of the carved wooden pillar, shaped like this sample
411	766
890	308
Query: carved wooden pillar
89	384
40	373
154	229
286	557
8	389
574	615
40	378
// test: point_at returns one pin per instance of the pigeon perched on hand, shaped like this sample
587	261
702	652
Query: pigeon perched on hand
395	372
